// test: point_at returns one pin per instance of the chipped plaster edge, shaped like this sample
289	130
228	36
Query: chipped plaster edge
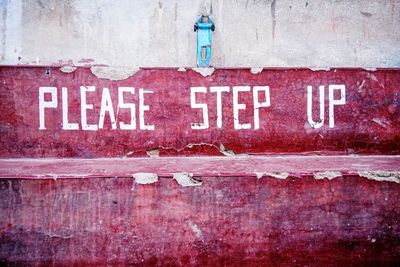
153	153
204	71
186	179
278	175
68	69
256	70
320	68
113	73
327	175
370	68
381	176
145	177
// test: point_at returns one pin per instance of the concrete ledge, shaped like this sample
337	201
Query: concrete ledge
253	166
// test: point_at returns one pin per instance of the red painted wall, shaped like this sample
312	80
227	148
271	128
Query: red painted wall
60	209
368	123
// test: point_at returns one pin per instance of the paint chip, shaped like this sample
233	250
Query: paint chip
181	69
388	176
153	153
113	73
259	175
68	69
204	71
186	179
128	154
320	68
256	70
145	178
278	175
196	230
226	152
327	174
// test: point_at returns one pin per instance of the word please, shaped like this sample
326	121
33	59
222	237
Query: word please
105	107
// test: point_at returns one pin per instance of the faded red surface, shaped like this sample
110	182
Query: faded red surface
228	221
61	204
368	123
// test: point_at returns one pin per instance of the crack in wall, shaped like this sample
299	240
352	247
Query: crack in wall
155	152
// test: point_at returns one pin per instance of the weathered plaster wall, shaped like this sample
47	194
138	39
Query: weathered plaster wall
249	33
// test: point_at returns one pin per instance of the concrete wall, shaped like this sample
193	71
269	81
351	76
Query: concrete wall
249	33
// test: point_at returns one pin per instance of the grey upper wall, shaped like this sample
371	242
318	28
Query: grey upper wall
249	33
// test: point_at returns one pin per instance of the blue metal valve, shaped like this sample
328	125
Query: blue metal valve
204	26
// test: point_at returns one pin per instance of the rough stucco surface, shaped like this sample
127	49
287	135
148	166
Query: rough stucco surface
248	33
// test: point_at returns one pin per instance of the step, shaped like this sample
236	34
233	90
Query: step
167	167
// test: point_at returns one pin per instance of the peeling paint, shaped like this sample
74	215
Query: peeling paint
225	151
279	175
204	71
113	73
259	175
196	230
68	69
256	70
221	149
389	176
129	153
145	178
153	153
186	179
320	68
181	69
231	153
327	174
193	145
